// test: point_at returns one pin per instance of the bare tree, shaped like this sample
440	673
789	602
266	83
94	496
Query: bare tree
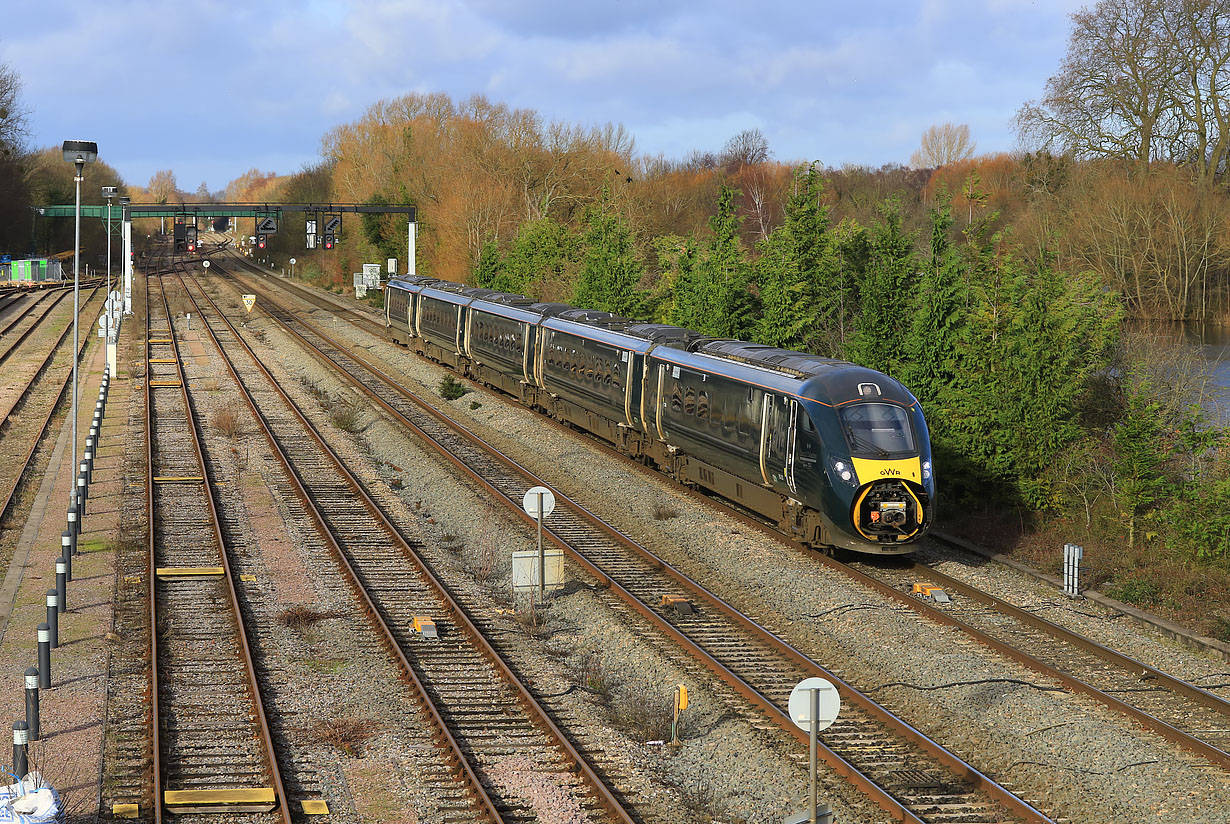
13	126
162	187
748	148
942	145
1143	80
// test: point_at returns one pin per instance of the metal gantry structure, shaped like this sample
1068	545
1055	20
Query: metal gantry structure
259	212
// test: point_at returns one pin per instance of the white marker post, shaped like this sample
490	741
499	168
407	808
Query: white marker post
538	503
814	705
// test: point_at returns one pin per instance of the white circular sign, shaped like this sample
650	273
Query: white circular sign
292	261
800	703
530	502
205	263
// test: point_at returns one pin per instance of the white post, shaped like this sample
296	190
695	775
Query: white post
410	249
542	561
814	734
108	246
126	251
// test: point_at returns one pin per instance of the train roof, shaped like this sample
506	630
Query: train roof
799	364
408	281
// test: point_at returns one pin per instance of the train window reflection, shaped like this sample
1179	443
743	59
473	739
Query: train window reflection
877	429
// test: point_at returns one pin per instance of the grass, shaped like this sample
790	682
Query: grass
301	617
326	666
644	711
664	512
227	421
346	416
349	735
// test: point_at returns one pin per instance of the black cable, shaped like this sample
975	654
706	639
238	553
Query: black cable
967	684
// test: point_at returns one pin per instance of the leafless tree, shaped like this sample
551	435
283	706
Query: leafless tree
748	148
13	125
1143	80
943	144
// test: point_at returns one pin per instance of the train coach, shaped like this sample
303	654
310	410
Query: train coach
836	454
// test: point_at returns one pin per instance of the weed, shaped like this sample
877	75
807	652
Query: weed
346	734
664	512
301	617
451	389
227	421
644	711
345	416
532	619
593	676
1139	591
326	666
475	404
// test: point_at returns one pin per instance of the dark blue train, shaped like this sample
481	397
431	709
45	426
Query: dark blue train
837	455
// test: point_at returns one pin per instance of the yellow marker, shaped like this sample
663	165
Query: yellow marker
188	572
249	301
315	807
681	697
124	810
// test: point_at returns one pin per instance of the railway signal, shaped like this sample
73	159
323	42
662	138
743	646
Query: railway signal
329	241
261	241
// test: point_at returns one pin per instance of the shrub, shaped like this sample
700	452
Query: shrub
345	416
664	512
451	389
226	421
346	734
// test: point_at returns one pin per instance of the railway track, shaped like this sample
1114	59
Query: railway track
897	766
22	431
211	747
12	339
482	713
1182	713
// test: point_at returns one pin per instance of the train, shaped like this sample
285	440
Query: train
838	456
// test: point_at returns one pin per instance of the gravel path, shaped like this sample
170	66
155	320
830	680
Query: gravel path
1068	754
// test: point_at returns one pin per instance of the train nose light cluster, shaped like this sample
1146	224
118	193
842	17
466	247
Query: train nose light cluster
846	472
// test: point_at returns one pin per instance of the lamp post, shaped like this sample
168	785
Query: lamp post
79	153
109	192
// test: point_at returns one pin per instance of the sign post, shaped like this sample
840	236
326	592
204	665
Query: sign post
814	704
248	302
538	503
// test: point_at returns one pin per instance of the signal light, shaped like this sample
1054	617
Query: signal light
260	241
191	247
329	241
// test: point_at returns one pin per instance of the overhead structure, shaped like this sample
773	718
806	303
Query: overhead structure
267	216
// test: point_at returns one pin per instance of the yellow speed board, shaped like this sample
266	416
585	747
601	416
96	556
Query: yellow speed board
249	301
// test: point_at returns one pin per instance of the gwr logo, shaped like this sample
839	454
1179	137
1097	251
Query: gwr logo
890	471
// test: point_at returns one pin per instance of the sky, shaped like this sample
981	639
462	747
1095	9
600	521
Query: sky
213	88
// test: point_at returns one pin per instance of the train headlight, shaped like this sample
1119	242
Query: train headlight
926	470
845	472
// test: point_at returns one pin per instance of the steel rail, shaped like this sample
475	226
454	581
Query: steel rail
20	316
215	524
1147	720
464	621
11	497
953	762
55	350
352	577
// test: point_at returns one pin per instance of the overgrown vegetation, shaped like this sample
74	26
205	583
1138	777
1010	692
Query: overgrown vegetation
349	735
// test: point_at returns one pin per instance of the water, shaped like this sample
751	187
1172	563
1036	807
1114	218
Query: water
1213	343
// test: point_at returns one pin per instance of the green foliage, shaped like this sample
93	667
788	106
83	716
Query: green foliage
542	253
490	265
378	230
886	293
677	260
716	298
611	269
451	389
1140	457
796	270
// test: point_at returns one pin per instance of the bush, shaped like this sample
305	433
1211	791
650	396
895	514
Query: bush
226	421
345	416
451	389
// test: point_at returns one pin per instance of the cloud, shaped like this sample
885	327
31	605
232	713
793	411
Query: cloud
214	88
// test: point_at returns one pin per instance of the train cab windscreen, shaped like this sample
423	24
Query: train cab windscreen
877	430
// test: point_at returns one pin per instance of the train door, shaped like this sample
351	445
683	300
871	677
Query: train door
778	439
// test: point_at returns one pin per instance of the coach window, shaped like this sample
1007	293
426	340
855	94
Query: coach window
689	401
702	404
676	399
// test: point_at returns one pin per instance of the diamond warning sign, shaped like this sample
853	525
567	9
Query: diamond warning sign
249	301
